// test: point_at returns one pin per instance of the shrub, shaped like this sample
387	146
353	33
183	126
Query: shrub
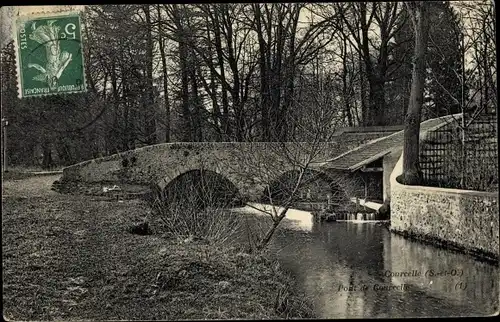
183	217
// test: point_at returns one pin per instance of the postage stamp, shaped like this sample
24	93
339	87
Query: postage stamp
49	54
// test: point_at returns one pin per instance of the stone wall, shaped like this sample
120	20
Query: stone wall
462	219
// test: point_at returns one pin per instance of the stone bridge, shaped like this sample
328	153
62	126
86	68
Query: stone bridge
367	155
251	167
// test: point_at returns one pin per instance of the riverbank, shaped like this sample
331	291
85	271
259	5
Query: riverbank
71	257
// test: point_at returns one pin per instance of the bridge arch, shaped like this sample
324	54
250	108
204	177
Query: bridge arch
315	186
201	188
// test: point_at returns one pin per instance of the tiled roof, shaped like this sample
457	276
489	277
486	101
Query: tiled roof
375	149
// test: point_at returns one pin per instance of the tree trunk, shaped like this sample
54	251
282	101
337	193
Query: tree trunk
47	162
346	91
290	74
264	94
362	84
235	90
112	137
412	174
197	135
272	229
186	115
369	68
226	126
212	90
150	109
377	101
165	80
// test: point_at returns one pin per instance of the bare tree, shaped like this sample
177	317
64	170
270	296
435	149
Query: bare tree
369	28
163	55
411	169
283	169
281	52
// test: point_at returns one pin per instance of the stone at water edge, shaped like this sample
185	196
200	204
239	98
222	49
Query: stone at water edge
384	212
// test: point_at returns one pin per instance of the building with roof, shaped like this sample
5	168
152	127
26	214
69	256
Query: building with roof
370	165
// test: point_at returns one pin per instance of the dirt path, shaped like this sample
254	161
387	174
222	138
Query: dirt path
30	187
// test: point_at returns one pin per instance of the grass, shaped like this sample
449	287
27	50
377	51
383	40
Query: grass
67	257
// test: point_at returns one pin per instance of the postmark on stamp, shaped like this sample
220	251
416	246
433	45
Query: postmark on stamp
49	54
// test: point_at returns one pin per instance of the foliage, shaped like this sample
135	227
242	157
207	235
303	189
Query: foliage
444	64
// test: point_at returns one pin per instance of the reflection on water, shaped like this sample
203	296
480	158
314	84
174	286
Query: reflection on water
354	270
296	219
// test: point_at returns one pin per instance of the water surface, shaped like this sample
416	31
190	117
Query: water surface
360	269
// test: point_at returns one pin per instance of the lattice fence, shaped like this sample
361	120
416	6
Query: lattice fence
461	157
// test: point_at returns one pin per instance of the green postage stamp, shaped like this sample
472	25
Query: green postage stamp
49	54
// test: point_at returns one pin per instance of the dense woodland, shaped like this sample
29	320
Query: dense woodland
249	72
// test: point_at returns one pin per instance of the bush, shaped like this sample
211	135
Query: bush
184	218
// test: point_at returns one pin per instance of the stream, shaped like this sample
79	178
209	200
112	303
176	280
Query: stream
357	269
